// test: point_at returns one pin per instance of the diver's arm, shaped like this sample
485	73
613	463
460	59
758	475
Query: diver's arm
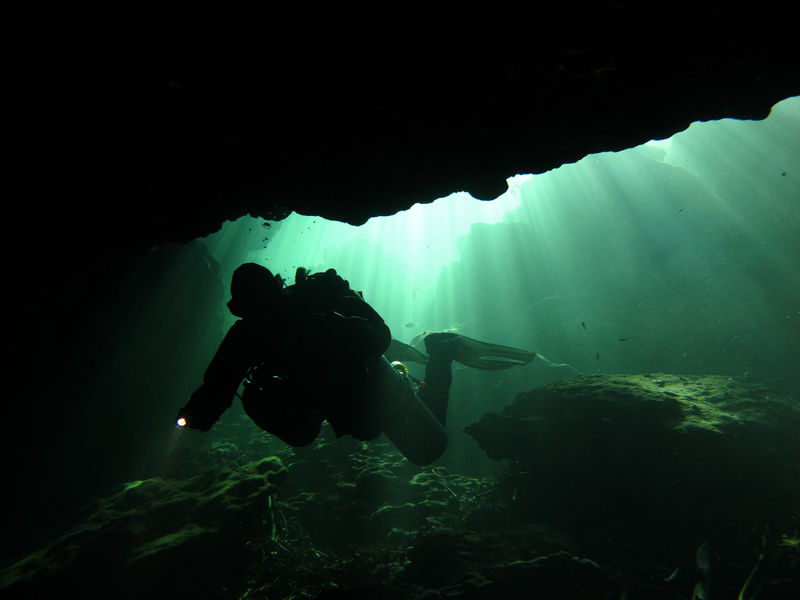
366	328
221	380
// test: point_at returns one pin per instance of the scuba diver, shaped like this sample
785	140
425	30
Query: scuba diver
316	351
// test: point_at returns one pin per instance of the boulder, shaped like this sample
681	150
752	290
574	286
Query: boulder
649	454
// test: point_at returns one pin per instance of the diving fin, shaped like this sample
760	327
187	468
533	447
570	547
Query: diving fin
476	354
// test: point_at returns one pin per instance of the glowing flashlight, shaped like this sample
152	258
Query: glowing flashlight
181	422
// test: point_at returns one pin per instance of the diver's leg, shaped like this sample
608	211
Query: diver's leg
398	350
438	373
286	416
446	347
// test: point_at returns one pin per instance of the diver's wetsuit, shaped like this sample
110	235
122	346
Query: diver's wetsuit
315	351
306	360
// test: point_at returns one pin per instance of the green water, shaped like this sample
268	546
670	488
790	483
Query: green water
680	255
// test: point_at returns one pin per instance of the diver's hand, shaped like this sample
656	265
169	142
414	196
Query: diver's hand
200	412
194	420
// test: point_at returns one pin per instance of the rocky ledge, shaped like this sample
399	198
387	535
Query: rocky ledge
651	454
179	535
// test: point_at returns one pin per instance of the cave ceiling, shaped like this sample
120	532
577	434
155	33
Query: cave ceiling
141	127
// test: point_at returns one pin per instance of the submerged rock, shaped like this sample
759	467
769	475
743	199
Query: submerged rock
649	454
156	534
612	484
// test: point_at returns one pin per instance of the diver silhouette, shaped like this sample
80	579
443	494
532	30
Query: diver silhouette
316	351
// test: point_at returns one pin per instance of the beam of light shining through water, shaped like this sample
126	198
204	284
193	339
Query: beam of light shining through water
394	260
679	255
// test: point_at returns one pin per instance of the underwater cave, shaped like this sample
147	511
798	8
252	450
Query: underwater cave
631	218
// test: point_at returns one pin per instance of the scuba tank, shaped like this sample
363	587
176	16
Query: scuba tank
403	417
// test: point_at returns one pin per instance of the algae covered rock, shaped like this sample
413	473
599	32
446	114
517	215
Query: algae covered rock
653	451
156	532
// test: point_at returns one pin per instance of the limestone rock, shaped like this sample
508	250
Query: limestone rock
650	452
156	532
